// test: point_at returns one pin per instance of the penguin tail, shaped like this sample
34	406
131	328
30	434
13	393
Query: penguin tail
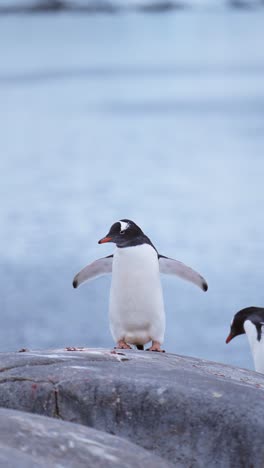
140	347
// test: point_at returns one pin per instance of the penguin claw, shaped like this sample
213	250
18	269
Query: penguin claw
122	345
156	347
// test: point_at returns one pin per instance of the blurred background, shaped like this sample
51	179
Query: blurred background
147	110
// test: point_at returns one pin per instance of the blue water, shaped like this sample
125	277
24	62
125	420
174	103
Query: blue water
156	118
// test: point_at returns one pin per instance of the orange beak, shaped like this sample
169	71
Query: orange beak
229	338
104	240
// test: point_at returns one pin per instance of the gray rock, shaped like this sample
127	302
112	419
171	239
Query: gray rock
28	440
191	412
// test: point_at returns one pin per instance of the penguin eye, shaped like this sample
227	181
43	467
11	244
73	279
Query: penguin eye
122	232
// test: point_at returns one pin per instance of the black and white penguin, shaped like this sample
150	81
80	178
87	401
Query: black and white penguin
250	321
136	309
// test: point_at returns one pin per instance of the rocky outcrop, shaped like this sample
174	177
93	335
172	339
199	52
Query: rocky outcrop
28	441
188	411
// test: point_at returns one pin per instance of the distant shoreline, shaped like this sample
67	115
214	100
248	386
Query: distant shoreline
114	6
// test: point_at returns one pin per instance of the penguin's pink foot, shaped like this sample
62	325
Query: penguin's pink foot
156	347
122	345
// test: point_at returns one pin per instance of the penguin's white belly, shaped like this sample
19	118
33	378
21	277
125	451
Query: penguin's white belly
136	301
257	346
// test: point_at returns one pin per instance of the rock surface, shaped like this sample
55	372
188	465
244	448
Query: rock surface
28	440
191	412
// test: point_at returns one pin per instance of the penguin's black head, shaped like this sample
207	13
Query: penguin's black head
254	314
125	233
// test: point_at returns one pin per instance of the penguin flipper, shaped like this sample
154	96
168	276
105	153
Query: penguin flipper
102	266
169	266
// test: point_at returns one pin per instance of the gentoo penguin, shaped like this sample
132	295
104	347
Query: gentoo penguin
136	309
251	321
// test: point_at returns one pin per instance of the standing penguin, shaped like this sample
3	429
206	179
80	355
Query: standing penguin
250	321
136	309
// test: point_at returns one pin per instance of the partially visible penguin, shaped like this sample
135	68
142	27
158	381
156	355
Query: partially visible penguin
136	309
250	321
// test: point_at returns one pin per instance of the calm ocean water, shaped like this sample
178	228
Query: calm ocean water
157	118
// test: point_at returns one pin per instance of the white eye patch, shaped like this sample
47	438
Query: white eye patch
123	225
